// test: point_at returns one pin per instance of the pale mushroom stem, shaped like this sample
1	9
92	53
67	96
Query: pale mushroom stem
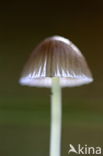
56	115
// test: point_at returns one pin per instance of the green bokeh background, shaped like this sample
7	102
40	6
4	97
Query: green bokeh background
25	111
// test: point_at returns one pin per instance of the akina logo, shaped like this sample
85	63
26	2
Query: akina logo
85	150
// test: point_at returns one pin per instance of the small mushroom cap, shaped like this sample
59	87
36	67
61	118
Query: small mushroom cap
56	57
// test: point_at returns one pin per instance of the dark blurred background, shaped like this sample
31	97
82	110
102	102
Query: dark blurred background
25	111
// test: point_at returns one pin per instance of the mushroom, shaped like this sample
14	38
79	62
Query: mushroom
56	62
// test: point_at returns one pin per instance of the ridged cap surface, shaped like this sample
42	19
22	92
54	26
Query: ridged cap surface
56	57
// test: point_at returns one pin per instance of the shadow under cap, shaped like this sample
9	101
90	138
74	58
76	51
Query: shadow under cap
56	57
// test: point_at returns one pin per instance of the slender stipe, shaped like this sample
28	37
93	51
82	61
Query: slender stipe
56	115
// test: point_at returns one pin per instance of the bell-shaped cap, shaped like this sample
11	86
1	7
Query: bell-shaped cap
56	57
